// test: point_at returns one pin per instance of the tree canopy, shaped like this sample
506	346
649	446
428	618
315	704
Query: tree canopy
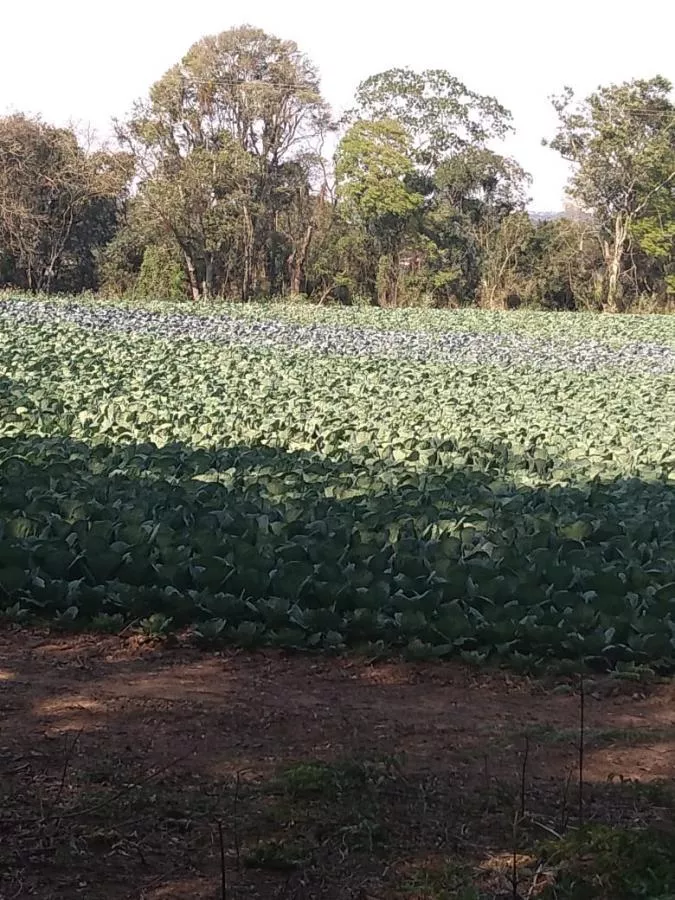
621	142
233	179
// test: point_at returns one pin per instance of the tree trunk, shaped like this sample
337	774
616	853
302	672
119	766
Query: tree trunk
247	275
192	276
388	279
208	277
47	280
272	258
395	277
298	259
613	258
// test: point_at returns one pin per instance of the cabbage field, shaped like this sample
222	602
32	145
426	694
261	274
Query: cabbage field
451	484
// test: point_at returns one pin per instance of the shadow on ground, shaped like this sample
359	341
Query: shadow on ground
330	777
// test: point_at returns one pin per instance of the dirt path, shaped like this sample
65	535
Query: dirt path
118	759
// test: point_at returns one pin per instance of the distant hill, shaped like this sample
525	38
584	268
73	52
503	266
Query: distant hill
570	211
547	216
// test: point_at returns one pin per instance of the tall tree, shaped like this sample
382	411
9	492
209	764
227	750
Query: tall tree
483	191
621	142
50	191
440	114
373	162
197	203
250	95
411	134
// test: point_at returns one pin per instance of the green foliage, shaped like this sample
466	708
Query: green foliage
107	622
602	862
276	855
440	113
621	141
371	164
58	205
161	276
655	236
475	512
156	625
451	881
333	781
120	261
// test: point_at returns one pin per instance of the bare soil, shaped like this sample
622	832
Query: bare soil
127	766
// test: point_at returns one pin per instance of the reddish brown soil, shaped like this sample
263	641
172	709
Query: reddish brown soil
119	757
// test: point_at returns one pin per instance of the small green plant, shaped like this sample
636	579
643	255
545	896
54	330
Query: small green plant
278	855
308	780
108	623
68	619
209	632
365	833
334	780
156	625
599	862
451	881
16	613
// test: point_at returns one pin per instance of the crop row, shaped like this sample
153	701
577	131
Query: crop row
458	347
614	331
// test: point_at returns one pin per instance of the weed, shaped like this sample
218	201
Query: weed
331	781
277	855
157	625
603	863
107	623
450	880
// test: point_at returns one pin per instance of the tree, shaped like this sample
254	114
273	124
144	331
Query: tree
371	166
621	142
56	201
411	134
197	204
232	131
486	195
439	113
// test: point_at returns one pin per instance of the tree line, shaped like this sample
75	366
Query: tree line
233	179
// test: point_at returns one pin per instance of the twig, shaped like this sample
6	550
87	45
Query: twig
514	861
74	813
523	776
535	882
582	736
141	855
563	804
66	762
223	873
235	816
488	780
547	828
128	626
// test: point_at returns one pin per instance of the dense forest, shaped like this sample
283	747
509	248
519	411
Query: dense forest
233	179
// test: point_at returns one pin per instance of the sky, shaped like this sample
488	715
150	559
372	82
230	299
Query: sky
85	62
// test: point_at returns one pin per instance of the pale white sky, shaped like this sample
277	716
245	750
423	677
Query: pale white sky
87	61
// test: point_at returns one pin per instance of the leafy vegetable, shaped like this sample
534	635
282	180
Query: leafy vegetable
293	499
